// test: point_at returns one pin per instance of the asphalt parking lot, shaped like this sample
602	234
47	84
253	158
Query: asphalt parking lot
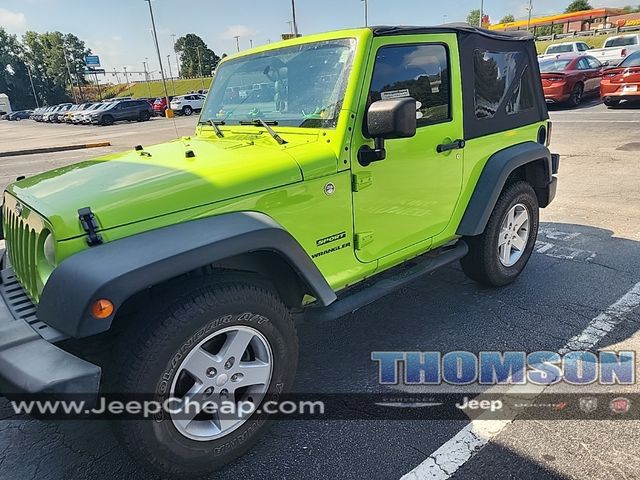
587	260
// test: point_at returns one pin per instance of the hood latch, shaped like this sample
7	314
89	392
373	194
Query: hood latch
90	225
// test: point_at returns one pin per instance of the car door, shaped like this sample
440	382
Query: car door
596	73
589	76
401	203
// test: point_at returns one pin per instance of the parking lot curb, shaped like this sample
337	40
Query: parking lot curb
54	149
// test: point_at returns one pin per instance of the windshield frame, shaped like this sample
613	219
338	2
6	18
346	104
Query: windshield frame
343	83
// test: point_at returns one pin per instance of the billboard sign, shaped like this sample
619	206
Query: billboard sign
92	61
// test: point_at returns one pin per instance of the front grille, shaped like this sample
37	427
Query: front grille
22	231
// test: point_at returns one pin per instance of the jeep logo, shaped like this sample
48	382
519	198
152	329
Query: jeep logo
19	209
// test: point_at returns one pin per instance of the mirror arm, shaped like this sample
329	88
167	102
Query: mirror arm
368	155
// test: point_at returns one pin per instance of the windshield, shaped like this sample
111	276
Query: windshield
560	49
554	65
632	60
300	86
621	42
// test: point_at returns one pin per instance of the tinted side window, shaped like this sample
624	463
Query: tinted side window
418	71
583	64
522	98
594	63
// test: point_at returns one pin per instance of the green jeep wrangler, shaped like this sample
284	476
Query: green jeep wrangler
317	163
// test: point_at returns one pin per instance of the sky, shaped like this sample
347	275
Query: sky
119	31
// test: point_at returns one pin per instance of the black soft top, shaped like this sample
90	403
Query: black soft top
513	36
473	43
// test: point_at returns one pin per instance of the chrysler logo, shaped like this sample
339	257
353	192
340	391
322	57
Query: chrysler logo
19	209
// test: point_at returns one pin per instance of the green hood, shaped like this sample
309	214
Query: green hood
130	187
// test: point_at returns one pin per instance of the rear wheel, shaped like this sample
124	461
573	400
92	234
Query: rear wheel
227	342
498	256
144	116
576	95
107	120
187	111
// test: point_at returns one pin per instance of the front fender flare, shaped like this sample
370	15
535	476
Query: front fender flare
116	270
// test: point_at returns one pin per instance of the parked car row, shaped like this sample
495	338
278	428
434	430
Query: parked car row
613	51
569	78
98	113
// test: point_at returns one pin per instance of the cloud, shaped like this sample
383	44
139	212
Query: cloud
14	22
237	30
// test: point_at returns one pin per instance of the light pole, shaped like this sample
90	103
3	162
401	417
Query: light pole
126	75
173	35
33	88
530	11
237	37
115	72
173	82
169	113
200	67
481	12
73	90
251	43
293	12
444	19
366	12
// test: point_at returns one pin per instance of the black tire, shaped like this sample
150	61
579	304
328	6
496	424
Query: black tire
187	111
611	103
576	95
482	263
151	356
107	120
144	116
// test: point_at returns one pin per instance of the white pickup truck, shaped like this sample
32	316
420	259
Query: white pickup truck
566	47
616	49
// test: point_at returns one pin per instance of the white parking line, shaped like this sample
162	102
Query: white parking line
457	451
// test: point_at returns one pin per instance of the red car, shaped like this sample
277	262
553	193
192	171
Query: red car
622	82
570	78
160	105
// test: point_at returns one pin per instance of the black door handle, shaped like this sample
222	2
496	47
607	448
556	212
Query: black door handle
447	147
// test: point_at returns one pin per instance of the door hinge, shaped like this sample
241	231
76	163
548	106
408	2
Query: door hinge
361	180
90	225
363	239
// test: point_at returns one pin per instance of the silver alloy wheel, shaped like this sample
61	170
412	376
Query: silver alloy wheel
514	235
234	364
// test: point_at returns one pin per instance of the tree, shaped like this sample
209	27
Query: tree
578	6
631	9
508	19
195	56
14	77
45	53
474	18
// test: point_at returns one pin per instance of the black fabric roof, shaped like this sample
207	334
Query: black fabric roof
517	35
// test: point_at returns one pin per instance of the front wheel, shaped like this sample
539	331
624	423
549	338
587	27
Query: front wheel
498	256
227	342
187	111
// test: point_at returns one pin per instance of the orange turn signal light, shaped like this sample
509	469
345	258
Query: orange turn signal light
102	309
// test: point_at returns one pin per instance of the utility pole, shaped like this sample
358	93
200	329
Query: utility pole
366	13
73	90
173	35
169	112
173	82
481	12
251	43
126	75
293	12
237	37
444	19
146	76
115	72
530	11
33	88
200	67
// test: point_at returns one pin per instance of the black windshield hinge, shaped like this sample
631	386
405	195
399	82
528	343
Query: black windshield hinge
90	225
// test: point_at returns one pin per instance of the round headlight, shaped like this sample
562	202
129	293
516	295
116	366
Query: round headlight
50	249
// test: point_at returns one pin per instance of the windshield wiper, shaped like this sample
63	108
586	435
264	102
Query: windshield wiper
266	124
214	124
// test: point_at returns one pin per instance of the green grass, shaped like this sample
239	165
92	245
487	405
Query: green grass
593	41
141	90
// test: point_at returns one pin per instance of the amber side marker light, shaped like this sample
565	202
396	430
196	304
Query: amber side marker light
102	309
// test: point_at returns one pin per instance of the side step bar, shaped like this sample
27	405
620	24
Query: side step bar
362	298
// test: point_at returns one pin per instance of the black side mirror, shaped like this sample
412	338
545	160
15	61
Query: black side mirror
386	120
